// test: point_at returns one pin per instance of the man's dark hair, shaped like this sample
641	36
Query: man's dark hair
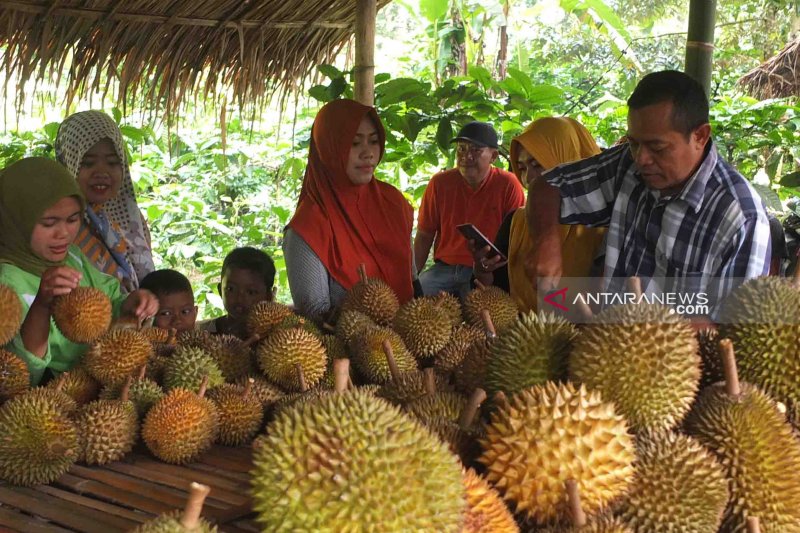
165	282
253	259
689	100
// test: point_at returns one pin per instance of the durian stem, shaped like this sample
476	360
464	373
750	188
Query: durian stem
301	377
429	380
60	382
574	496
729	367
203	386
341	374
753	524
173	335
393	370
194	506
362	272
248	387
471	409
479	284
252	340
126	390
142	372
327	327
635	286
501	400
488	325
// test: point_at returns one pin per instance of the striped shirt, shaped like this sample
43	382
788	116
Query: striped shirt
709	237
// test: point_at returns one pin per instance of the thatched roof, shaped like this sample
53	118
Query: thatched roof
161	51
779	77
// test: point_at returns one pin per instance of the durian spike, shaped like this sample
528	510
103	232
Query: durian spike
248	387
479	284
729	367
126	390
471	409
575	510
362	272
142	372
341	374
429	380
488	325
251	341
301	377
635	286
753	525
203	386
194	505
393	369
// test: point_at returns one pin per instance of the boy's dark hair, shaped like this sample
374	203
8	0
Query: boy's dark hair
689	100
252	259
166	281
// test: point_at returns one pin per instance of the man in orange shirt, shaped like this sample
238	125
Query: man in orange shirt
476	193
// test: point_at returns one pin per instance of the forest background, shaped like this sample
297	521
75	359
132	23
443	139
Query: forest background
217	176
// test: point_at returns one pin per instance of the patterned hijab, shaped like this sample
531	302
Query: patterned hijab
27	189
119	218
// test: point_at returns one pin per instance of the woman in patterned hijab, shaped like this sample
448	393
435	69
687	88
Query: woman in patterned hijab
114	234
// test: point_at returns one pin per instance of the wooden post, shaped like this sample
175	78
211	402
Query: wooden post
700	41
366	12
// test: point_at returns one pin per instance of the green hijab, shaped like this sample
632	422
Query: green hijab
27	189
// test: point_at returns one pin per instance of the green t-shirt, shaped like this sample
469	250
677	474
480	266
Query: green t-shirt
62	354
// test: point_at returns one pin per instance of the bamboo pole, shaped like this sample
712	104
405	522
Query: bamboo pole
366	12
700	41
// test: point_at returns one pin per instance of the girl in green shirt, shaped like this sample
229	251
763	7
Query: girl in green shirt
40	214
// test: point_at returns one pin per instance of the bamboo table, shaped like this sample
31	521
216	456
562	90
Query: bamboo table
119	496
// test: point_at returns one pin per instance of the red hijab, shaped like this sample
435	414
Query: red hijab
346	224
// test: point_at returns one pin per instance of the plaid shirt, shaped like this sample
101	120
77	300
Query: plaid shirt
710	236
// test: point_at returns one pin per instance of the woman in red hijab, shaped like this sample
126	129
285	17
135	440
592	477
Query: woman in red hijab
346	217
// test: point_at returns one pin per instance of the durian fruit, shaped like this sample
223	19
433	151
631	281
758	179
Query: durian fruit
441	405
265	318
370	355
240	413
350	461
83	315
181	426
199	338
424	327
38	441
14	376
63	401
793	415
264	391
471	373
678	486
548	434
335	347
461	431
760	454
760	318
187	368
409	386
486	511
708	340
116	355
341	373
77	384
351	325
454	352
234	358
156	366
143	393
501	307
188	522
450	305
374	298
642	357
107	429
530	352
160	335
297	321
293	359
579	523
10	314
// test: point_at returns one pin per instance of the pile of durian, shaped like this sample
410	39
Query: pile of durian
442	416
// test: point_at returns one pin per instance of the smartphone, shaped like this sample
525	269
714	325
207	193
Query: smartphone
470	232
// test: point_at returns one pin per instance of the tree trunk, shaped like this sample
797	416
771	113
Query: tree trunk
700	41
364	90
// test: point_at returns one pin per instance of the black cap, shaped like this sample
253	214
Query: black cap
478	133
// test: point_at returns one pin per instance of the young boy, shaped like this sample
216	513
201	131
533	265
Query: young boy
176	308
248	275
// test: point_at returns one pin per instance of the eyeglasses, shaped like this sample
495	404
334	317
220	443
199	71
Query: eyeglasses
469	149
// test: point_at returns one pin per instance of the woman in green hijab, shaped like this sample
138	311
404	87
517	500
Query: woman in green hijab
40	214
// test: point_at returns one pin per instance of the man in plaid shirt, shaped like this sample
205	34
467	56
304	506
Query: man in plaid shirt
674	208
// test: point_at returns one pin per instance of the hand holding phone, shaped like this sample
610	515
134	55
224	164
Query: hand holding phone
470	232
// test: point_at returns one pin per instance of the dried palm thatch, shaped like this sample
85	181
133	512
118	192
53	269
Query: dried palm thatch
779	77
158	52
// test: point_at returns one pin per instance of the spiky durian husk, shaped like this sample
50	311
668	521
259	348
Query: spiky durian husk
187	368
374	298
63	401
424	327
107	430
502	308
198	338
156	366
10	314
370	359
643	358
116	355
793	415
760	318
233	358
411	386
678	486
297	321
171	523
471	373
180	427
279	354
266	393
548	434
442	405
240	416
14	376
266	317
456	349
39	441
708	348
83	315
365	449
77	384
486	511
759	452
158	335
143	393
462	442
450	305
531	351
351	325
604	523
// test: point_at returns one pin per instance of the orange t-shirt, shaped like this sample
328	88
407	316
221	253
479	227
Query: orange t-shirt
449	201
